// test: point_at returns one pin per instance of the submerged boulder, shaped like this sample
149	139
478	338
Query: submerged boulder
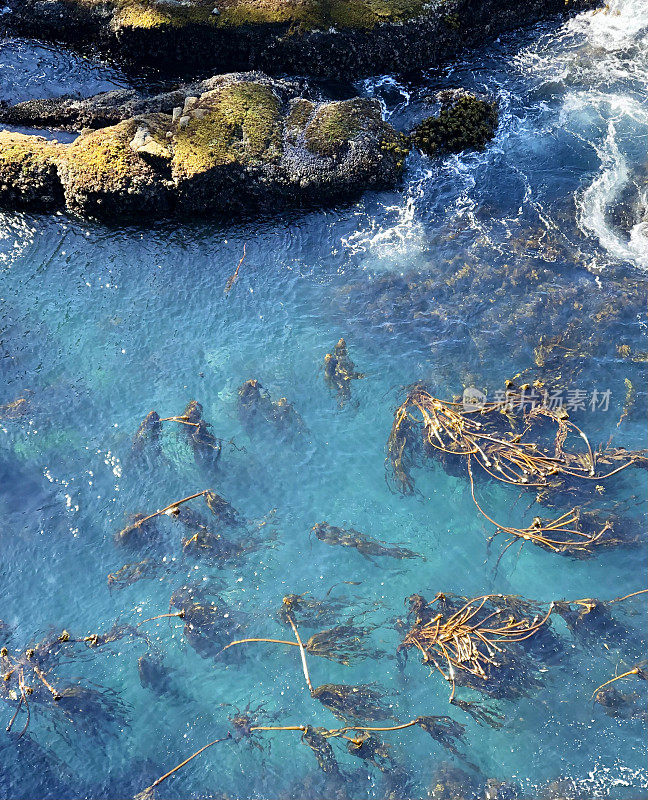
247	142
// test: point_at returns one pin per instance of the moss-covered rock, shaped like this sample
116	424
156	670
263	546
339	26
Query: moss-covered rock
328	38
104	176
464	122
245	143
28	171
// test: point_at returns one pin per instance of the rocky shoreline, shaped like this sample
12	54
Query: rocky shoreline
349	38
246	142
242	142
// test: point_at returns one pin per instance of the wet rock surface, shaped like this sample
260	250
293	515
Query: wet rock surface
346	37
241	142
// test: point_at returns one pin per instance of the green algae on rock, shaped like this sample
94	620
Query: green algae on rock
246	142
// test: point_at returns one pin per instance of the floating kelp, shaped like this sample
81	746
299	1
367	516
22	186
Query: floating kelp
196	430
148	432
343	643
591	621
208	624
622	705
339	371
309	611
316	739
477	642
234	276
490	435
256	408
27	681
143	527
131	573
368	547
639	671
149	792
363	702
15	410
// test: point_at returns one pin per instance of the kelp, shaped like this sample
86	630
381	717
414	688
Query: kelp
315	738
131	573
149	792
493	437
206	447
621	705
368	547
143	528
257	409
29	683
309	611
362	702
639	671
591	620
339	371
477	642
208	624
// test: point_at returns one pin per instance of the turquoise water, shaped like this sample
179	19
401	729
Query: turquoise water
452	278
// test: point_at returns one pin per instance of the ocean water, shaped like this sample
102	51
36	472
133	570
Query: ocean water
455	278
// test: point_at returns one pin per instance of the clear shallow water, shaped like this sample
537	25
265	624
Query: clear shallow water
453	278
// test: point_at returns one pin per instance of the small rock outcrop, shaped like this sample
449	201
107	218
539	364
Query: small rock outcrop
464	122
246	143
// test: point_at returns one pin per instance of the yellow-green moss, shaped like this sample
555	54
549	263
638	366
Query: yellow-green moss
335	124
300	112
27	154
145	15
298	14
103	158
239	123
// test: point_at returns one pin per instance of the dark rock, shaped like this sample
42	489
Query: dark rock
464	122
345	37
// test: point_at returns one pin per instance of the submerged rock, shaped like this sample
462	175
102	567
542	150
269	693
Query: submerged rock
248	143
345	37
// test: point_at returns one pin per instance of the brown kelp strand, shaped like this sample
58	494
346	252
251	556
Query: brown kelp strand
29	683
639	671
368	547
143	527
316	739
149	792
234	276
622	705
339	371
194	428
131	573
209	624
258	410
476	645
508	441
343	644
310	611
592	620
363	702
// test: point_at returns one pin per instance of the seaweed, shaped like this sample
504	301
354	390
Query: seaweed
206	447
339	371
477	643
365	545
490	436
362	702
257	409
